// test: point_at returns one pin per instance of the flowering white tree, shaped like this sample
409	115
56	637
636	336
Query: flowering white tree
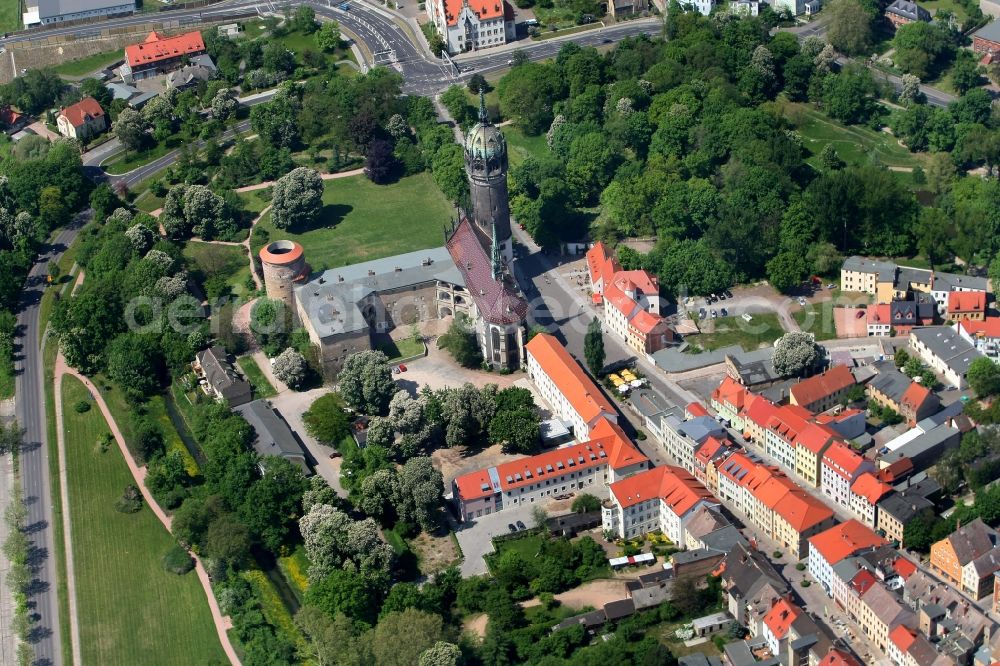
297	198
291	368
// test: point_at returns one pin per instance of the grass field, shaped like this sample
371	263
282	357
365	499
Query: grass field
128	161
855	144
261	386
935	6
363	221
227	265
89	64
819	322
147	202
764	329
132	610
521	146
552	34
400	349
299	42
10	15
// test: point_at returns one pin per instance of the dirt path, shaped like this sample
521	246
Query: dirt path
596	593
222	623
74	619
325	176
476	625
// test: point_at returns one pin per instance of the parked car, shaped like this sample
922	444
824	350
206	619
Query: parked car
402	367
510	526
724	312
728	293
714	313
335	454
747	316
831	286
702	313
521	526
802	301
861	313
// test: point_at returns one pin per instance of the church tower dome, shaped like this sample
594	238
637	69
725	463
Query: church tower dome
486	168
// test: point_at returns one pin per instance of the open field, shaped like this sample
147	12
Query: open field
818	320
400	349
131	160
90	64
147	202
763	330
363	221
261	385
132	610
10	15
521	146
855	144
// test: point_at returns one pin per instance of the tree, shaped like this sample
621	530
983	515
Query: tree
984	377
933	234
786	271
966	73
585	503
328	36
134	364
378	493
527	93
593	347
794	354
517	430
400	638
228	539
910	91
141	237
332	540
477	83
441	654
831	160
366	383
346	592
130	129
203	211
420	493
224	104
461	343
397	127
850	28
380	164
297	198
291	368
326	420
457	104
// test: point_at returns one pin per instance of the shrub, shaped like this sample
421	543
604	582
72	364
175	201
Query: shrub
800	567
82	406
130	501
806	583
777	554
177	560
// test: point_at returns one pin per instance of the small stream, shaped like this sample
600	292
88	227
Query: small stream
181	427
269	565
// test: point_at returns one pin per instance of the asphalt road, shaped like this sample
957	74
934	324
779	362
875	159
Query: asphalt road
30	411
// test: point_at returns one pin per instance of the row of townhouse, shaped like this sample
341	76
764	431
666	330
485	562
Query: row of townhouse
892	389
664	498
603	456
631	300
887	281
983	335
968	558
946	351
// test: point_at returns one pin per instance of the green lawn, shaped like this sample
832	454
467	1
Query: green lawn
854	143
526	546
89	64
400	349
363	221
261	386
552	34
936	6
561	16
131	610
226	267
10	15
763	330
818	320
127	161
147	202
521	146
300	42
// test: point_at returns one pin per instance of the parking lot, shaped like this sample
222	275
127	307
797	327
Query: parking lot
476	537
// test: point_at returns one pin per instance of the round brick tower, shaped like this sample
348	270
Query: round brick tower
283	263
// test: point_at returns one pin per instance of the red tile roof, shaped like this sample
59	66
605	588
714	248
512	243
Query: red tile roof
843	460
604	268
573	382
608	446
8	116
878	314
675	486
868	486
822	385
789	421
904	567
844	540
601	264
780	618
815	437
837	657
988	328
496	300
708	449
759	409
897	471
915	396
157	47
966	301
646	322
801	510
78	114
903	637
484	9
730	392
696	409
862	581
642	280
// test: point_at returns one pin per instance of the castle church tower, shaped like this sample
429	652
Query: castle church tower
486	168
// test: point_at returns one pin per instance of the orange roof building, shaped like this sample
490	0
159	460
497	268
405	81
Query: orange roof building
833	545
966	305
841	466
82	120
157	54
566	386
866	492
837	657
607	457
757	413
821	392
729	399
470	25
662	498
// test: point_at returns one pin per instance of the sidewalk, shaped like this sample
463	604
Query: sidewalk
74	618
222	623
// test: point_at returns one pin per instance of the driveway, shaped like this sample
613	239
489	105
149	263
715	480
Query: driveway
291	405
476	537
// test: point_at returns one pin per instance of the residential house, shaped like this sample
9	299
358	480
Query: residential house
954	626
866	492
837	657
272	436
48	12
946	283
728	401
682	438
704	521
888	282
566	387
751	584
864	275
631	300
821	392
793	635
199	68
878	319
847	423
810	445
888	388
828	548
902	12
945	351
713	450
757	413
221	380
896	509
158	54
607	457
782	432
840	468
83	120
968	558
11	120
471	25
880	612
986	40
663	498
966	306
917	403
923	444
983	335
